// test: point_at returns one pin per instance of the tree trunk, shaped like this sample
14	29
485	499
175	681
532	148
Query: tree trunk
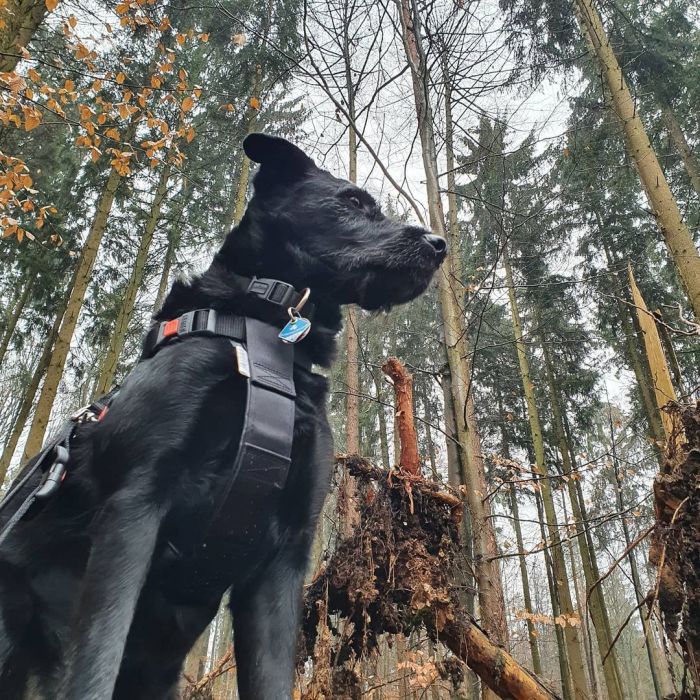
108	370
659	671
596	607
661	200
491	602
14	317
681	143
22	18
562	656
88	255
571	635
531	631
660	374
515	511
656	429
496	668
174	235
30	391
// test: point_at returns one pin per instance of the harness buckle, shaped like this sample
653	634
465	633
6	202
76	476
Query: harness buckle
86	414
275	291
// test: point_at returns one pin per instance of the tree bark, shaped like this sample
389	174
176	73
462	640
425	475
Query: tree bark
491	602
81	280
22	18
110	363
571	635
596	607
663	204
13	318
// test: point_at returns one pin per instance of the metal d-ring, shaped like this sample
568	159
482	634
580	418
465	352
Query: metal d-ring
293	311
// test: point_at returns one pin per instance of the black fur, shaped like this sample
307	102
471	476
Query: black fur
104	591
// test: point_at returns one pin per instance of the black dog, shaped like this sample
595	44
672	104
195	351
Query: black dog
106	588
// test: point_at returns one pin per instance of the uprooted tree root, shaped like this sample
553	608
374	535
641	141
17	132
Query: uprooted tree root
675	549
394	576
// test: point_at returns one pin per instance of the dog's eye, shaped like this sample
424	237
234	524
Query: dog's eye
355	201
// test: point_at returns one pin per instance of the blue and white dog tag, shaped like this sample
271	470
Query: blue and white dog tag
296	329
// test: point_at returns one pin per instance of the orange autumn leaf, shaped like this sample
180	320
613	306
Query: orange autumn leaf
254	102
51	5
187	104
120	78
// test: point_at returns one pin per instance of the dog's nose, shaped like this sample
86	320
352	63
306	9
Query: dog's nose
437	243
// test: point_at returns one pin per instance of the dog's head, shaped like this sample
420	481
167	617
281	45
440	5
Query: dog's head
312	229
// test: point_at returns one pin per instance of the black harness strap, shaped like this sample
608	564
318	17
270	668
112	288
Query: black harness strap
260	470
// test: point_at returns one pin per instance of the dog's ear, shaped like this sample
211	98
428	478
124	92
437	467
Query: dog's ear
280	161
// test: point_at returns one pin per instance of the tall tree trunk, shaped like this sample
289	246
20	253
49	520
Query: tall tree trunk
108	370
661	199
659	671
596	607
13	318
174	235
571	635
682	146
491	602
88	255
527	600
30	392
21	20
515	512
562	656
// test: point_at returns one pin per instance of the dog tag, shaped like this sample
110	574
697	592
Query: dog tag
296	329
242	360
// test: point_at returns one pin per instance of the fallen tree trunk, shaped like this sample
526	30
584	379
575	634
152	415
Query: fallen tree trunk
394	575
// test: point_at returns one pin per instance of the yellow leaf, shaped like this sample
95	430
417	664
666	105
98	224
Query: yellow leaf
31	121
51	5
180	38
120	78
187	104
34	75
69	85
